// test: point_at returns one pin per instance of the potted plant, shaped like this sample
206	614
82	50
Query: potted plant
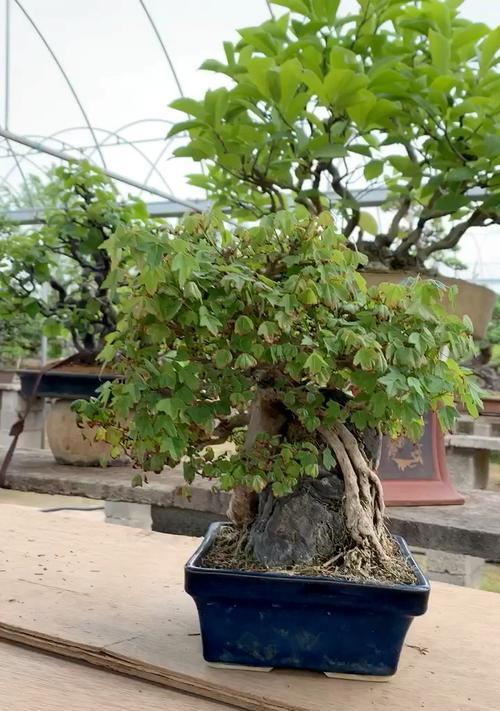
19	341
58	277
268	338
485	365
320	108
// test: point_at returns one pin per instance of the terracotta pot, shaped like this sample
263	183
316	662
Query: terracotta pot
71	444
491	405
474	300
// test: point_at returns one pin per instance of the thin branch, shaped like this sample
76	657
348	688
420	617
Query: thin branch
345	193
400	214
454	235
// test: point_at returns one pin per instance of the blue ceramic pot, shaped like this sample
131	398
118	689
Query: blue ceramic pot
302	622
61	384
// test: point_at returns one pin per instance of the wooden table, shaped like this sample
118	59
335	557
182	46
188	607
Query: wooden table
35	681
113	597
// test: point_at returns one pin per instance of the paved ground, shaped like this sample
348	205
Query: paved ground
49	501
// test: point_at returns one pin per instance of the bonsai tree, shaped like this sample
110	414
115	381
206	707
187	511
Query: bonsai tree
19	338
320	106
58	275
485	362
268	338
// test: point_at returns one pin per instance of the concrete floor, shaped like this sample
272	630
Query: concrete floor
49	501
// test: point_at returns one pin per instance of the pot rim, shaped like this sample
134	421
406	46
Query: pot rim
422	584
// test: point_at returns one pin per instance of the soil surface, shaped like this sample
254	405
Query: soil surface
228	551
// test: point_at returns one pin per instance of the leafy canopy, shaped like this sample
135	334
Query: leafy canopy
401	94
210	318
58	275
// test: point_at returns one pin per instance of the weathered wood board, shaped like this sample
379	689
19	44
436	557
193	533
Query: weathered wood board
34	681
114	596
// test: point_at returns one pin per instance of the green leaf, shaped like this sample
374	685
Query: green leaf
166	405
373	169
368	223
332	413
223	357
405	165
184	264
379	403
440	51
188	106
451	202
447	416
245	361
329	461
191	291
209	321
488	50
316	364
243	325
298	6
365	357
308	297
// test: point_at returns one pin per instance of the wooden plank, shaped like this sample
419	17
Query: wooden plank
32	680
114	595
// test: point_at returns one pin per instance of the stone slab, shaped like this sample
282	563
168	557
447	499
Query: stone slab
474	441
471	529
36	470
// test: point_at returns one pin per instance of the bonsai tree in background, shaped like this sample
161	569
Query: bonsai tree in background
485	363
19	339
268	338
58	275
402	95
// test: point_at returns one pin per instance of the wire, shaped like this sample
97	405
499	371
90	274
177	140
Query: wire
72	508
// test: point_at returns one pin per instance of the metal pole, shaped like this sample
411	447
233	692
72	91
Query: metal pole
7	63
9	136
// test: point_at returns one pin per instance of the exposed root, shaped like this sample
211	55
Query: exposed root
361	465
364	508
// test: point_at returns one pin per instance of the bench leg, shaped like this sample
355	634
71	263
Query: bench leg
124	513
469	468
464	570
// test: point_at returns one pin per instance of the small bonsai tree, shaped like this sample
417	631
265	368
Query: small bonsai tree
268	338
322	106
19	339
58	275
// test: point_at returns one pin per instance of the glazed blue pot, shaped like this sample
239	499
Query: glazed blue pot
273	620
63	385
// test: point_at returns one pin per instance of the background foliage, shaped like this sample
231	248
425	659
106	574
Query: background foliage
57	274
402	94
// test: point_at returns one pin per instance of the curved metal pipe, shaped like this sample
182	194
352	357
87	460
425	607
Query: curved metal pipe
66	77
163	46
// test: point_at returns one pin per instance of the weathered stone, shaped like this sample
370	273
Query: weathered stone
471	529
283	534
126	514
454	569
469	468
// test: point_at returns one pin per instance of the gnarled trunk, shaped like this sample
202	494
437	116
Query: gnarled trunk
338	514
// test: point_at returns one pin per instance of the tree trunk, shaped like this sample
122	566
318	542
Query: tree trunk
339	512
266	415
